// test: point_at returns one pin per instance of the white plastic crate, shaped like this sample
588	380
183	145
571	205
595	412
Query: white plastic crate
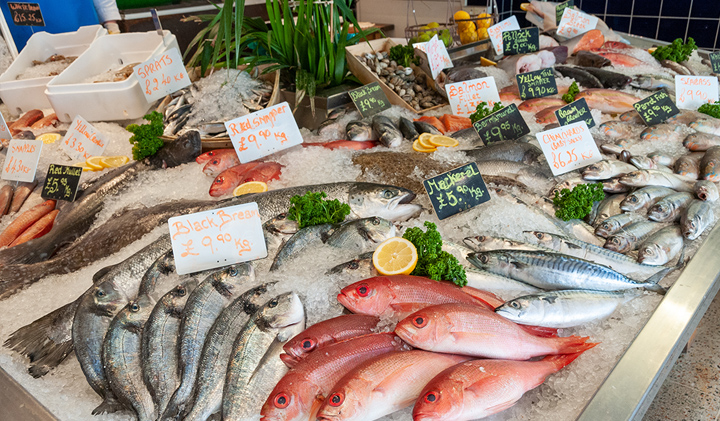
24	95
70	95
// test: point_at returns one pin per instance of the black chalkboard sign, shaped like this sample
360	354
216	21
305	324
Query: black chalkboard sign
61	182
505	124
456	190
715	62
521	41
560	9
574	112
656	108
370	99
536	84
26	14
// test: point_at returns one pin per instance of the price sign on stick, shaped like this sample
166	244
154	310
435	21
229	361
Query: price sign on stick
82	140
162	75
693	91
505	124
456	190
4	129
216	238
370	99
715	62
26	14
61	182
537	84
521	41
437	55
495	32
264	132
21	160
656	108
569	147
465	96
574	23
560	9
574	112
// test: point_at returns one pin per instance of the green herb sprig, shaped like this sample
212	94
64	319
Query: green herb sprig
677	51
433	262
146	138
571	93
311	209
577	203
482	110
712	110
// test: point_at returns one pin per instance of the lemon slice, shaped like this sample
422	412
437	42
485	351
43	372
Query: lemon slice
395	256
94	163
486	62
424	141
49	137
250	187
439	140
113	161
419	148
84	166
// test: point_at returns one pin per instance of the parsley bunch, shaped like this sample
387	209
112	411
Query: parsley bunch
403	55
677	51
482	110
572	93
433	262
577	203
146	138
311	209
712	110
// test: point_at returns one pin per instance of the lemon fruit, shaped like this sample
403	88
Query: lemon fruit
433	25
461	14
482	33
484	20
395	256
84	166
424	141
439	140
49	137
419	148
113	161
250	187
94	163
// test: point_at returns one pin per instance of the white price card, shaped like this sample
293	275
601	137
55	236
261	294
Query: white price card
574	23
216	238
438	57
4	129
495	32
693	91
569	147
82	140
465	96
264	132
162	75
21	160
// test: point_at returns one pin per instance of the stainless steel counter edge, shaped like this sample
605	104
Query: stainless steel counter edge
17	404
631	386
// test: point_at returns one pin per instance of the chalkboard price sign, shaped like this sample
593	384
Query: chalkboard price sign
370	99
537	84
456	190
574	112
715	61
560	9
26	14
61	182
521	41
505	124
656	108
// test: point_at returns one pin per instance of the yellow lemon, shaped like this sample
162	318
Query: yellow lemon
418	148
113	161
486	62
84	166
483	33
395	256
94	163
433	25
49	137
250	187
424	141
484	20
439	140
461	14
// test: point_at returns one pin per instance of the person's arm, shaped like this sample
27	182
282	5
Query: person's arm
109	14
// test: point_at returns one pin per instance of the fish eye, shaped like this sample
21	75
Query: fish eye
134	307
99	293
431	397
353	265
515	304
215	162
419	321
363	290
336	399
632	199
233	271
388	194
273	303
484	259
181	291
481	238
281	400
219	180
539	235
282	216
308	344
375	221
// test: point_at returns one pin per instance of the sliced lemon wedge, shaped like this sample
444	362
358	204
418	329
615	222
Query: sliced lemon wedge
113	161
250	187
439	140
395	256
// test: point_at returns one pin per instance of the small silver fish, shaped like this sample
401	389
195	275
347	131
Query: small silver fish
697	218
631	236
661	247
614	223
642	178
644	198
607	169
706	190
670	207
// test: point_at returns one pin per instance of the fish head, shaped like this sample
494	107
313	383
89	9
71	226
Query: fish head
424	328
288	402
606	227
388	202
107	298
347	402
377	230
173	299
139	310
660	211
231	277
652	254
643	162
358	267
442	399
690	227
224	184
635	178
632	202
183	149
284	310
521	308
281	224
597	171
485	260
212	167
541	238
372	296
618	243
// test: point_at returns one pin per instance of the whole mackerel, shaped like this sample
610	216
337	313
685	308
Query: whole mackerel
201	310
255	366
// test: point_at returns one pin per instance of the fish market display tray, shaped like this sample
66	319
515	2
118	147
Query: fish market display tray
27	94
70	94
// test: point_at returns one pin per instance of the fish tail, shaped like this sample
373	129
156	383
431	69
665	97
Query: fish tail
573	344
109	405
540	331
560	361
653	287
486	298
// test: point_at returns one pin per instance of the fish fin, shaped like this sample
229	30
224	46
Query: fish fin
655	288
108	406
500	407
315	407
518	265
486	298
99	274
573	344
543	332
660	275
572	246
560	361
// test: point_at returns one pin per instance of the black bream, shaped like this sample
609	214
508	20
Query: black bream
388	134
407	128
553	271
582	77
207	395
76	218
306	237
159	345
359	131
201	310
122	357
425	127
255	366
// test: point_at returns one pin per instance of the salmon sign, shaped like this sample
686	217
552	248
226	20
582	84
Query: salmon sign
82	140
465	96
22	160
162	75
574	23
693	91
569	147
495	32
264	132
216	238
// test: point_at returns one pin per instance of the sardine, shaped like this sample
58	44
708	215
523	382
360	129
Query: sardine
709	165
661	247
644	198
696	219
255	366
670	207
630	237
615	223
699	141
407	128
642	178
706	190
610	206
359	131
389	135
607	169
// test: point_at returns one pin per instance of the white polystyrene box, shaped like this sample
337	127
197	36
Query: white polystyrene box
24	95
106	101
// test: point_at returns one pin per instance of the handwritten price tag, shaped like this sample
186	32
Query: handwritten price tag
693	91
82	140
560	9
537	84
569	147
215	238
437	55
574	112
162	75
22	160
521	41
505	124
574	23
465	96
264	132
715	62
456	190
656	108
495	32
370	99
61	182
4	129
26	14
